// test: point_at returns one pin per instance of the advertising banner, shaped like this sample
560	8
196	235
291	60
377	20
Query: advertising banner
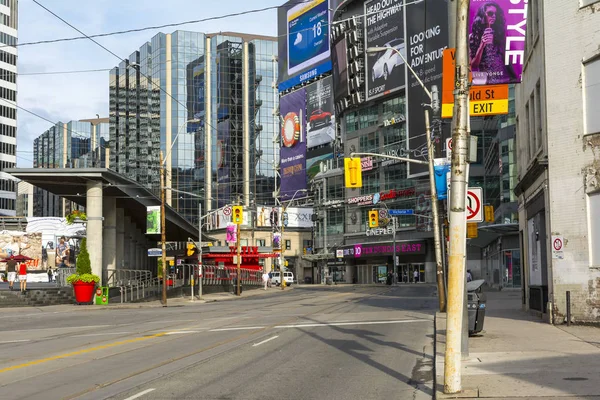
223	163
339	58
315	157
304	45
293	144
427	36
497	40
153	220
13	243
320	124
297	217
220	218
384	27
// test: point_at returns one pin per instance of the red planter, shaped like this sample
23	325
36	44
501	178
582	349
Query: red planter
84	292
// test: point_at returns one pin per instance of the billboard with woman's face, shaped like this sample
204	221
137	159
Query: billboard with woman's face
497	40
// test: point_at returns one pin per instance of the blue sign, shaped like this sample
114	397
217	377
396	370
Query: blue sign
154	252
305	76
401	212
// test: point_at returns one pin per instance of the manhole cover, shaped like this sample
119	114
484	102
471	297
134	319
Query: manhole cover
575	378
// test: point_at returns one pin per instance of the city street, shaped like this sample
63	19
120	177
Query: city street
345	342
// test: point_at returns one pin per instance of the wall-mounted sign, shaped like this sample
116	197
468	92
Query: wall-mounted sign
394	120
383	249
380	231
381	196
366	163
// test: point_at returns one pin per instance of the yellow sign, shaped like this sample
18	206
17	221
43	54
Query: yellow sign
483	100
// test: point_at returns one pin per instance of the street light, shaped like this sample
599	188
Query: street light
433	97
281	257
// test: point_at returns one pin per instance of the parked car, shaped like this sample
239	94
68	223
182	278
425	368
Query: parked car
318	118
387	60
288	276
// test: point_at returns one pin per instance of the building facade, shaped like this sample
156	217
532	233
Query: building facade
8	109
206	102
75	144
558	127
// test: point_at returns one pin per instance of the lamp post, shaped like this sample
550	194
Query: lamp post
281	256
433	97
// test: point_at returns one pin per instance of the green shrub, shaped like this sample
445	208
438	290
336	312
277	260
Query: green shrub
83	267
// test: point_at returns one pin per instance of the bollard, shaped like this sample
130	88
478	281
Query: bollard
568	308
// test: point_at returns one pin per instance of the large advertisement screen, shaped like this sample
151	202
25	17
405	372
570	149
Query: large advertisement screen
497	40
320	124
315	157
384	28
427	37
293	144
304	46
223	163
339	58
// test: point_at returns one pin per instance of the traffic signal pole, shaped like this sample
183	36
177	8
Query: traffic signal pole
239	258
163	231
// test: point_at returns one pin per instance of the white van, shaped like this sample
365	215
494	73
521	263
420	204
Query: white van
288	276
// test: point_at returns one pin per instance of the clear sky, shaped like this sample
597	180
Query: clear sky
66	97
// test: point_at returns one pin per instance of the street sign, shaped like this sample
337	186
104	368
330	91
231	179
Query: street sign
227	211
154	252
474	204
449	149
483	100
557	247
339	253
400	212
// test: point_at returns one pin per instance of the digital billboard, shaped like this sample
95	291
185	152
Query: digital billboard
296	217
314	158
339	58
293	144
304	47
320	118
223	163
384	28
497	40
427	37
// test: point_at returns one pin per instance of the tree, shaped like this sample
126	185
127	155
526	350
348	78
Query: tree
83	265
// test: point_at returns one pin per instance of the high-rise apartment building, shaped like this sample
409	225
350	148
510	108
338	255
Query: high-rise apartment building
76	144
8	99
200	99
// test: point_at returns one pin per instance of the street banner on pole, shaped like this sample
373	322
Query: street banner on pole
497	40
153	220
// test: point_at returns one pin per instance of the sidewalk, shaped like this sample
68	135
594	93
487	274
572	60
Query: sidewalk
519	357
171	302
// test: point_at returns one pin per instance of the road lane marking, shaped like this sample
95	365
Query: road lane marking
79	352
102	334
403	321
16	341
59	327
238	328
181	332
264	341
140	394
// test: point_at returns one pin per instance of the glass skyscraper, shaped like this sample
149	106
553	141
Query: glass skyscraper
200	99
8	109
75	144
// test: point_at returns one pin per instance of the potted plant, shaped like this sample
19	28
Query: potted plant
76	216
83	281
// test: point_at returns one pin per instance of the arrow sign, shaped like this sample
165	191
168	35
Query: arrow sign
401	212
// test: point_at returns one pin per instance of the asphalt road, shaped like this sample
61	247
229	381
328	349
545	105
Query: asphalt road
348	342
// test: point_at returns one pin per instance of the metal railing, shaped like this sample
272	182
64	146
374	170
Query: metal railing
62	274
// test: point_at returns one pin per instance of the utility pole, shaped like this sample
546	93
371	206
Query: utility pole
435	105
458	217
199	250
239	258
163	232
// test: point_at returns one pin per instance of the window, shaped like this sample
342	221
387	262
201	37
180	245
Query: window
591	93
261	242
369	143
594	221
370	183
288	244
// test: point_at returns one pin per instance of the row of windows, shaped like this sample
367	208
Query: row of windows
8	94
369	116
5	19
8	76
6	165
8	112
7	148
7	39
7	185
7	130
7	204
8	58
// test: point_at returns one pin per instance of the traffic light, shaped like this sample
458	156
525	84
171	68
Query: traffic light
238	215
191	249
373	219
353	172
488	212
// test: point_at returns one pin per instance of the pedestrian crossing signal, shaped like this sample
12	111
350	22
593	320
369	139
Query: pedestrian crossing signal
488	211
352	172
373	219
238	215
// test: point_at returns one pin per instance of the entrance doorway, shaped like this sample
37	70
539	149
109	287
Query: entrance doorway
407	273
